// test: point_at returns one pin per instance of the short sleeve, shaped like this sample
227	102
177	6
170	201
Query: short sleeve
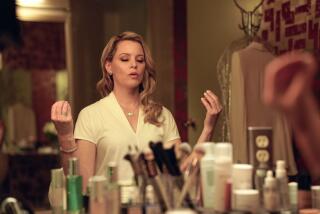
84	128
170	127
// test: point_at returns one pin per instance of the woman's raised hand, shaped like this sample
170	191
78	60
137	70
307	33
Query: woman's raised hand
62	118
288	78
212	104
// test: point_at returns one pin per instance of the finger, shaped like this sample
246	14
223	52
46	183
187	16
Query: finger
55	110
58	109
212	101
216	99
64	110
206	103
210	93
69	111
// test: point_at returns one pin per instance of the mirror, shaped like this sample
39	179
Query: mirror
32	77
35	75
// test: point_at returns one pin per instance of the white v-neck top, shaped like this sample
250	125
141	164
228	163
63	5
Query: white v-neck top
105	124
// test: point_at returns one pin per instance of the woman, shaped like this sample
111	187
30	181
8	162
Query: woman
125	116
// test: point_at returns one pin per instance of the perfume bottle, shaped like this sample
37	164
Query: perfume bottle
113	200
74	188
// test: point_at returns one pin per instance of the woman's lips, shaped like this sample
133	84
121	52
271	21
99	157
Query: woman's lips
134	75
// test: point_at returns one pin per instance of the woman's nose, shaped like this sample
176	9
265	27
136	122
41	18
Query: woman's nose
133	63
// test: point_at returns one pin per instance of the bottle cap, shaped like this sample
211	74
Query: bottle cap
281	164
270	180
281	169
57	178
73	166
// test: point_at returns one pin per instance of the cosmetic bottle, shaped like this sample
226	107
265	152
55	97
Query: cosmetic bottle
282	179
222	173
259	178
152	205
57	191
97	195
74	188
207	172
246	200
271	193
293	197
241	179
315	197
113	199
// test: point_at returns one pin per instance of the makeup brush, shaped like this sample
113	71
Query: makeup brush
155	180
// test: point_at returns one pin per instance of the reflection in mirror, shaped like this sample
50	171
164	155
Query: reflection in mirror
35	75
32	77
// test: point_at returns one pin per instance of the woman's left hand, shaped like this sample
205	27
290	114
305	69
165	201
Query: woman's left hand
212	104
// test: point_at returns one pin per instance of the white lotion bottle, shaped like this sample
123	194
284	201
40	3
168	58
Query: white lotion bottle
222	173
207	174
281	176
271	196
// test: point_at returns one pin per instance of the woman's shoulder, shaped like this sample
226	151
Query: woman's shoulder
95	107
165	112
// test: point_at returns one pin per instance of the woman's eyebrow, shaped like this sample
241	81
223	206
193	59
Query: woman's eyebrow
130	54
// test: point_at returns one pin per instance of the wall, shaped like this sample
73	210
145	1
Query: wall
93	23
212	25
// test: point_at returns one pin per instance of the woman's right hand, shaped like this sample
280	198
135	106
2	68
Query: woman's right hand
289	78
62	118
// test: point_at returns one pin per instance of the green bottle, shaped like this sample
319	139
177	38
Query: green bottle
74	188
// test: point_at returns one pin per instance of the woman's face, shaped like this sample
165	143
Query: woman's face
127	65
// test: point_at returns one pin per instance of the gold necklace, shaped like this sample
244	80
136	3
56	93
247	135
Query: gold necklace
129	113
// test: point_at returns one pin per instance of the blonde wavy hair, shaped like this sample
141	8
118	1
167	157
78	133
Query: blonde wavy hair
151	109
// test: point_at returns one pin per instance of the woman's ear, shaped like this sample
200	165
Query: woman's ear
107	66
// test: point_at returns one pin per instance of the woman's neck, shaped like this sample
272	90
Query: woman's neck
127	97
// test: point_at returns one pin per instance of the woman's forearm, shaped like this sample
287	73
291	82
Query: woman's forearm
305	121
80	151
205	136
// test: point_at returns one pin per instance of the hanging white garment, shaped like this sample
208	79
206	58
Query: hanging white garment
247	108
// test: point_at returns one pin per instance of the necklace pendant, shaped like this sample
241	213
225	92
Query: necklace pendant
130	114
